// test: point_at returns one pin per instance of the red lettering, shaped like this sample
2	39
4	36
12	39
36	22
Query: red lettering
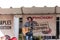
42	17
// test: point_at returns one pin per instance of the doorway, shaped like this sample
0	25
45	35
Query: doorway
20	28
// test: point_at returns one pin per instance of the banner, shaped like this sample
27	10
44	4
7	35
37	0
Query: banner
43	25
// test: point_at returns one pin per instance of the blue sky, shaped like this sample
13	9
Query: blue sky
28	3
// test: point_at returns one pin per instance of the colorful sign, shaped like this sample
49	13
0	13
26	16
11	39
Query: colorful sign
44	25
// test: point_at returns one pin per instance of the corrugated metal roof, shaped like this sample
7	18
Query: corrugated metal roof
10	11
38	10
57	9
30	10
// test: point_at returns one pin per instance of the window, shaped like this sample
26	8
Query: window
20	25
57	27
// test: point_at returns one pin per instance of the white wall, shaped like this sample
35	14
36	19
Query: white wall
16	26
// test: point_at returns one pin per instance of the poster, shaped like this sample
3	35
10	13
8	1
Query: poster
43	25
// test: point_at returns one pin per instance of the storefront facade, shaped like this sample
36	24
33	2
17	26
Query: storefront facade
12	20
8	23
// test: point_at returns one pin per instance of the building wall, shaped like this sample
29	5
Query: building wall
25	10
7	31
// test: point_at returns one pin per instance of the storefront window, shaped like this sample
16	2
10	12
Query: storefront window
20	25
20	28
57	27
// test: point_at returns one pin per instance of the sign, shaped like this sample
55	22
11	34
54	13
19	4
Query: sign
6	21
5	24
44	25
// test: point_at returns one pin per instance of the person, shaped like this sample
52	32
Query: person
14	38
29	35
30	23
7	37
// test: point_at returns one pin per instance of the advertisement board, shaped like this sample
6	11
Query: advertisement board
43	25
